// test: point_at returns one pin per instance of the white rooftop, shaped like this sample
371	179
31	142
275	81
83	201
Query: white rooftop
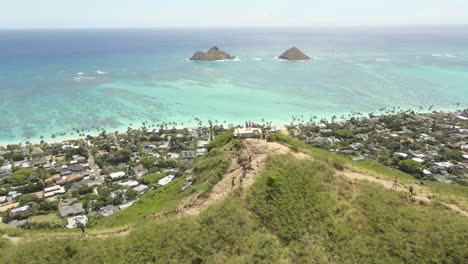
73	221
117	175
404	155
446	164
166	180
129	183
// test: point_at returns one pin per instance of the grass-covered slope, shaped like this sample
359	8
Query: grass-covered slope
298	211
441	192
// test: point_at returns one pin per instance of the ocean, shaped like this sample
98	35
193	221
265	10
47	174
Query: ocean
55	82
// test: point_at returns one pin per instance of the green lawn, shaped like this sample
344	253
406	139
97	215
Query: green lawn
52	218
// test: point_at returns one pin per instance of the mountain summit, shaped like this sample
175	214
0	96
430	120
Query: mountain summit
294	54
214	54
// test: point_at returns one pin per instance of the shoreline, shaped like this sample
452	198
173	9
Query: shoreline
195	124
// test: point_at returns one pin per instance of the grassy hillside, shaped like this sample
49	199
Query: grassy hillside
442	192
298	211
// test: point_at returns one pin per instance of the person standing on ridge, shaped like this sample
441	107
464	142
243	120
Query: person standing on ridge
395	183
233	183
411	189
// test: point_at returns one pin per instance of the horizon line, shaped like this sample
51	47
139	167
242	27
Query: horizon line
240	27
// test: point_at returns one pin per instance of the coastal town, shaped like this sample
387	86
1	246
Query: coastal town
64	184
67	184
431	146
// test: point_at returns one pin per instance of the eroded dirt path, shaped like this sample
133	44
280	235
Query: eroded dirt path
423	194
57	235
259	150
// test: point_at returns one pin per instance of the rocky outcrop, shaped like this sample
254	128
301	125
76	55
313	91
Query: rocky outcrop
214	54
294	54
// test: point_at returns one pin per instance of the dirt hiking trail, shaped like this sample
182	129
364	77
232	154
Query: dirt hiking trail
259	151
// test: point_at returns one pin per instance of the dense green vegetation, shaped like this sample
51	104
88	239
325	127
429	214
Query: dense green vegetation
410	166
296	212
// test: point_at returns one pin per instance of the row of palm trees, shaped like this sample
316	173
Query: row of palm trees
295	119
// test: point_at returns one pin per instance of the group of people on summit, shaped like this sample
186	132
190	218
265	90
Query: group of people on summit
245	168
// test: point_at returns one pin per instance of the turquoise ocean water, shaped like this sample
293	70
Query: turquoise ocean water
53	82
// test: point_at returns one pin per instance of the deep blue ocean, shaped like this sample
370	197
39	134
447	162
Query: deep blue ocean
53	82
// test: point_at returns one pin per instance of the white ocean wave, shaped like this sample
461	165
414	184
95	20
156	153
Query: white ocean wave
204	69
235	59
101	72
80	73
311	59
257	59
227	60
383	60
447	55
84	78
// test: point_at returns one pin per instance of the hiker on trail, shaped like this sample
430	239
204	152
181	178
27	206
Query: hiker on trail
411	189
395	183
233	182
250	159
82	227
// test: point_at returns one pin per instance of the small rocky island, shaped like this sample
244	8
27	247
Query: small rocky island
294	54
214	54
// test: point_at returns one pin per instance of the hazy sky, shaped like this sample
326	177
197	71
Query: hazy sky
223	13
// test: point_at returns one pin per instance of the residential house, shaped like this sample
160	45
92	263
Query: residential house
72	210
166	180
74	222
117	175
108	210
54	190
141	188
20	210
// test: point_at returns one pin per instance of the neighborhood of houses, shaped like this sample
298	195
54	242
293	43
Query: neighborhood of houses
428	146
68	184
73	183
